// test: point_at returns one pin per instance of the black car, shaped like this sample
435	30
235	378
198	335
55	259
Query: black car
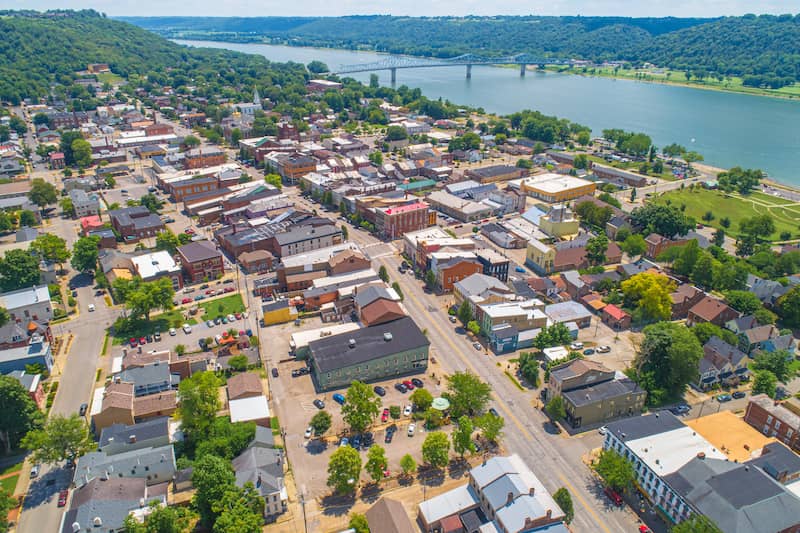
295	373
380	391
739	394
319	404
388	438
274	372
493	411
417	383
83	408
402	388
368	439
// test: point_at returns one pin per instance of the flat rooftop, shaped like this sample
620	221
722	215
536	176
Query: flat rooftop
734	437
666	452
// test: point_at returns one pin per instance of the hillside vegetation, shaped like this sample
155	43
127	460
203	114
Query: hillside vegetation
764	50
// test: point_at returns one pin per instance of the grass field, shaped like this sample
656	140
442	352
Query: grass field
162	323
737	208
9	483
16	467
222	306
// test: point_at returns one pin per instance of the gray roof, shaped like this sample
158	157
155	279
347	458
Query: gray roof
148	376
723	349
261	466
496	493
478	284
602	391
304	233
156	465
139	216
566	312
110	501
332	353
644	426
199	251
369	294
777	460
737	497
143	431
25	234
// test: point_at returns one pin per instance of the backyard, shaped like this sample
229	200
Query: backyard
736	208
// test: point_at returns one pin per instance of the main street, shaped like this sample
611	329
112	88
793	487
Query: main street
556	459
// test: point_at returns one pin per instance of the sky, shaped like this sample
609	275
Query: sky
252	8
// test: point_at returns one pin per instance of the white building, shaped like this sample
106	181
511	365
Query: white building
30	303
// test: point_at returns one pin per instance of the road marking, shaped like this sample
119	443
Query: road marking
511	415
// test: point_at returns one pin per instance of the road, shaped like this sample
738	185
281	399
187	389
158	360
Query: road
553	457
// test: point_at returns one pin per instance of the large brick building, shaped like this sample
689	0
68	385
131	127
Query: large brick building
204	157
201	261
774	420
393	222
135	223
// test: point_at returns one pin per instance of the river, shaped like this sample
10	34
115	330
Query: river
728	129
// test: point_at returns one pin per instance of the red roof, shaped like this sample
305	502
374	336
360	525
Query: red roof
405	208
56	155
92	221
615	312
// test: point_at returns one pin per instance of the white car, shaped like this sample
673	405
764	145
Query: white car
309	431
407	411
91	307
576	346
231	318
411	428
172	332
187	328
35	470
603	430
603	349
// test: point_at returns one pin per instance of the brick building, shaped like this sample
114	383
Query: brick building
201	261
204	157
135	223
774	420
393	222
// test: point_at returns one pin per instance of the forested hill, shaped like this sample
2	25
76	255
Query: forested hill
40	53
766	45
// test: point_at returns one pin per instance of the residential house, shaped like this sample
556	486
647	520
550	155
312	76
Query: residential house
154	465
157	265
244	385
522	315
758	338
774	420
742	324
256	262
31	303
388	516
150	379
710	310
37	351
32	383
381	311
768	291
84	204
250	409
262	465
684	297
722	364
135	223
576	286
119	438
615	318
201	261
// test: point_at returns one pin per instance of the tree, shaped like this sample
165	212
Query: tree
5	222
82	153
144	296
430	281
191	141
564	500
398	290
65	145
615	470
685	257
583	137
199	404
468	395
151	202
776	362
236	136
18	413
237	363
212	477
718	238
696	524
345	233
344	468
321	422
555	408
376	462
436	449
745	302
27	218
161	519
358	523
673	150
580	161
634	245
5	317
787	306
666	220
422	399
491	426
555	335
7	502
758	226
473	327
18	270
60	438
376	158
241	510
407	464
383	274
739	179
464	313
650	294
361	406
764	382
51	248
274	180
166	240
42	193
596	248
396	133
529	368
705	330
67	207
667	361
462	436
317	67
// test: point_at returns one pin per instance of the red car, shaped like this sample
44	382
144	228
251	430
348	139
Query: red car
186	301
238	316
210	292
229	289
62	498
613	496
134	343
408	384
385	415
190	231
142	341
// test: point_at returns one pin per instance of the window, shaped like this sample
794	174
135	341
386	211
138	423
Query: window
769	419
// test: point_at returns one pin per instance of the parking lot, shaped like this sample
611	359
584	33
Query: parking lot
293	398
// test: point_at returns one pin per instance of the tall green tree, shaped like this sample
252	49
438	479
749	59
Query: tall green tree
7	502
82	153
650	294
462	436
408	464
18	413
18	270
361	407
383	274
42	193
199	404
344	469
696	524
51	248
166	240
564	500
60	438
776	362
241	510
67	138
436	449
358	523
84	253
467	394
421	398
321	422
464	313
596	248
555	408
615	470
765	382
376	462
788	306
212	478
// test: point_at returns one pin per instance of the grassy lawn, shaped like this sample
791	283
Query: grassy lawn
162	323
9	483
222	306
736	208
16	467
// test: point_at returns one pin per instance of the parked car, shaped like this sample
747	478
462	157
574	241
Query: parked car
172	332
231	318
408	384
576	346
493	411
380	391
83	408
417	383
411	427
603	430
385	415
477	345
228	289
274	372
91	308
453	319
722	398
169	220
389	435
199	297
355	442
209	324
157	336
402	388
344	442
603	349
319	404
187	328
588	351
407	410
133	342
680	409
613	496
338	398
62	498
738	394
142	340
309	431
519	269
186	301
35	470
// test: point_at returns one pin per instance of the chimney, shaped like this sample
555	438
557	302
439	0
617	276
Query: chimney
510	498
258	481
701	455
352	343
131	439
549	513
531	491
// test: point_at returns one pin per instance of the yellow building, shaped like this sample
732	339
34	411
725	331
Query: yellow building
554	188
540	257
559	222
278	312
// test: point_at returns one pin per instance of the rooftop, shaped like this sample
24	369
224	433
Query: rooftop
317	256
154	264
198	251
554	183
246	409
602	391
23	297
776	410
737	439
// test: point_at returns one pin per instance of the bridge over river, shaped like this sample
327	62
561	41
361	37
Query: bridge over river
393	63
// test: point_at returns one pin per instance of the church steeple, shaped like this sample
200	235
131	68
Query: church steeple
256	97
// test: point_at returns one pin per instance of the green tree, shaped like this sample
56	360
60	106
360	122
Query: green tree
274	180
634	245
321	422
468	395
696	524
345	232
42	193
151	202
407	464
317	67
718	238
396	133
666	220
212	478
191	141
5	317
743	301
358	523
143	297
422	399
705	330
596	248
491	426
344	468
758	226
85	253
430	281
18	413
65	146
361	406
376	158
650	294
161	519
765	382
7	502
166	240
60	438
776	362
555	335
67	206
474	328
529	368
376	462
51	248
615	470
464	313
18	270
673	150
564	500
199	404
583	137
436	449
788	305
236	136
241	510
383	274
237	363
667	361
82	153
555	408
462	436
27	218
580	161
